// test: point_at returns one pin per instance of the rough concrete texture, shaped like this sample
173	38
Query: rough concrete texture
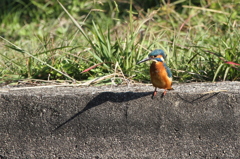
196	120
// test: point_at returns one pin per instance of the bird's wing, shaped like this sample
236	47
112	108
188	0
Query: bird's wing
168	70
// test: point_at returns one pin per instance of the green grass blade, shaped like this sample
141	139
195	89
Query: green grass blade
18	49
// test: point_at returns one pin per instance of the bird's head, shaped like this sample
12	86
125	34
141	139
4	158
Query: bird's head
156	56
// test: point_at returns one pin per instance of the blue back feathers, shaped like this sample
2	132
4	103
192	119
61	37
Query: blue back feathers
168	70
158	52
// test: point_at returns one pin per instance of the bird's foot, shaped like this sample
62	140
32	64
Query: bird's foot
154	94
164	93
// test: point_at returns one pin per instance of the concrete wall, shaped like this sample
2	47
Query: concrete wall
199	120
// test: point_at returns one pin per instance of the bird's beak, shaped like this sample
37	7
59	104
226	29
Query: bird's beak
144	60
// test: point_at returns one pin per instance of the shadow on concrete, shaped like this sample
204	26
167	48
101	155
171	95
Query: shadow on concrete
202	98
104	97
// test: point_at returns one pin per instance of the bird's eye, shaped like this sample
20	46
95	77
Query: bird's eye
155	56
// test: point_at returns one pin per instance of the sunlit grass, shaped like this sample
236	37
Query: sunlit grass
199	41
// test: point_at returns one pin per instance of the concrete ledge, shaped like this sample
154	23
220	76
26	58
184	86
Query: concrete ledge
199	120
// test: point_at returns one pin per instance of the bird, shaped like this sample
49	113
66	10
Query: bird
161	75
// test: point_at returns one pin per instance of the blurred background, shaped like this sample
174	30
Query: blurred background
40	41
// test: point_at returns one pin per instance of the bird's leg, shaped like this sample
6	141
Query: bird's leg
154	93
164	93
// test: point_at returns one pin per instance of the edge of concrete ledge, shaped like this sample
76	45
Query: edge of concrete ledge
196	120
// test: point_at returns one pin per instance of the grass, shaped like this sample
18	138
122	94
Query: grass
91	40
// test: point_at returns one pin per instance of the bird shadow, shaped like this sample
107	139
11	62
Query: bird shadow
105	97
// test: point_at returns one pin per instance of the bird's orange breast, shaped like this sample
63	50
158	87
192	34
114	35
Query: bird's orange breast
159	76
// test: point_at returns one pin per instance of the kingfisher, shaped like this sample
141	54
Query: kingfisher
161	75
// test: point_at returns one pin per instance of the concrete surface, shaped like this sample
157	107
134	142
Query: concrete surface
196	120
